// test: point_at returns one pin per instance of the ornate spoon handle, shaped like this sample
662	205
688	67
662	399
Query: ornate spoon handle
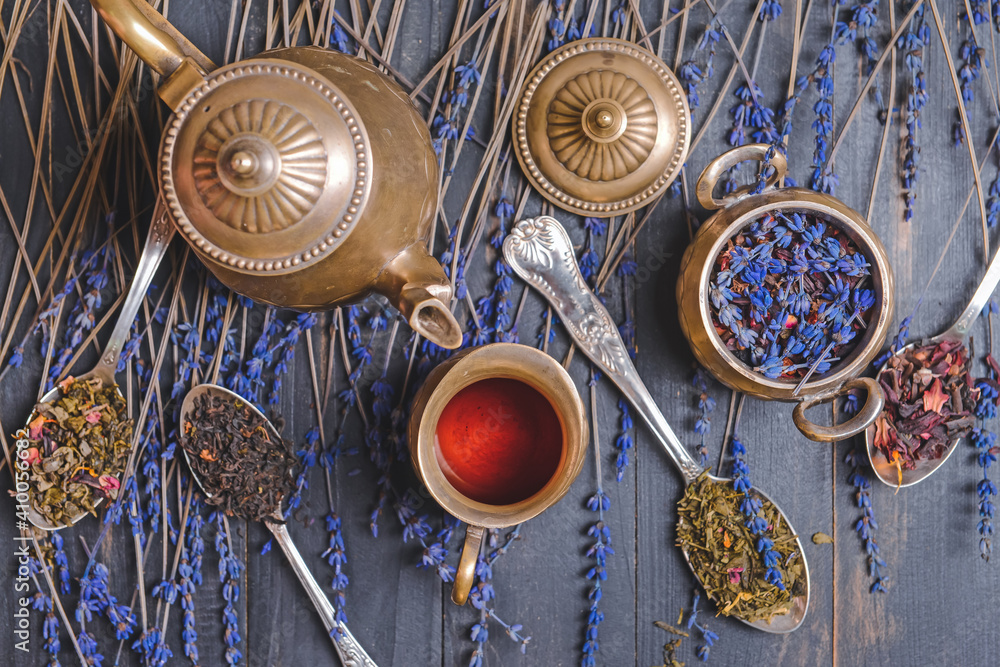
540	251
348	649
161	230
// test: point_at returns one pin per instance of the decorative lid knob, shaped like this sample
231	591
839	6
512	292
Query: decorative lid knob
265	167
602	127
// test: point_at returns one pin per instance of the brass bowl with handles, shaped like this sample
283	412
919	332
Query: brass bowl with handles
302	177
733	214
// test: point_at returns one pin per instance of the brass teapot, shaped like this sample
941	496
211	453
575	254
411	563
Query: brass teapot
302	177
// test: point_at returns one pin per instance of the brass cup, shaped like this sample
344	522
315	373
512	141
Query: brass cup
736	212
498	360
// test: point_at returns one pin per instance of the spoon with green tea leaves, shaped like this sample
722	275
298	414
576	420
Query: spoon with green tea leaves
720	529
246	469
929	398
79	436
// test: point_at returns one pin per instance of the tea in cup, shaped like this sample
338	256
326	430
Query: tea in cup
498	434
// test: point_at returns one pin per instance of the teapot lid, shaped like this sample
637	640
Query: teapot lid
265	167
602	127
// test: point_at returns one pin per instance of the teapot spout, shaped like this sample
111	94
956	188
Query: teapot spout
415	283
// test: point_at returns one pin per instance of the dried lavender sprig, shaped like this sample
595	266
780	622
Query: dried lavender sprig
336	556
707	636
985	442
599	550
914	44
230	568
867	526
750	507
624	441
691	73
973	57
284	351
482	594
190	576
703	425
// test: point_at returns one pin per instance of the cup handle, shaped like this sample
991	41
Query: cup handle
466	572
865	417
705	190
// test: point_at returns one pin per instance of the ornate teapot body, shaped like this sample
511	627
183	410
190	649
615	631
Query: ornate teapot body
302	177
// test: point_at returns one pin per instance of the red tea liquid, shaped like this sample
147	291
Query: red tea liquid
498	441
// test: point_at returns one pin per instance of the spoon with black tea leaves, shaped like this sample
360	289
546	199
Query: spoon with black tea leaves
887	471
351	653
161	231
540	252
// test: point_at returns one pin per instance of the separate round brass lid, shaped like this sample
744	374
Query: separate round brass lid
265	167
602	127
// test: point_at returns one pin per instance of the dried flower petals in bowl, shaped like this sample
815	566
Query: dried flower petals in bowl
78	446
786	294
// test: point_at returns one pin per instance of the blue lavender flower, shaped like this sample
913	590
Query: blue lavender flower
482	594
866	526
152	648
547	332
769	10
88	649
599	551
435	553
557	26
624	441
987	450
914	44
707	42
900	340
618	13
973	59
284	351
230	568
59	556
750	508
750	113
703	425
707	636
337	557
338	38
189	570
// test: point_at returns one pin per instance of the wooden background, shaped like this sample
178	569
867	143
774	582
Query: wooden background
943	601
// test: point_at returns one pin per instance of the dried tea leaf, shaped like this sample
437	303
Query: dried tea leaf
734	575
69	452
245	472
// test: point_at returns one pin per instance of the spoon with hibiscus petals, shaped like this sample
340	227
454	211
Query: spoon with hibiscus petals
902	459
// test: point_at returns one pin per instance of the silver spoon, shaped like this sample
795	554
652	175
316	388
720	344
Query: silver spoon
540	251
161	230
348	648
885	470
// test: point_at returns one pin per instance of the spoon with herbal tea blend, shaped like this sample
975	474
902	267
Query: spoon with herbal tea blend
79	434
929	398
246	469
712	533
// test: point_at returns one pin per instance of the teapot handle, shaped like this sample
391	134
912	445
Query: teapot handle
158	44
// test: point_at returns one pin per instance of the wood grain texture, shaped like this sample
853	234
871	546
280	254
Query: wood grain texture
943	601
